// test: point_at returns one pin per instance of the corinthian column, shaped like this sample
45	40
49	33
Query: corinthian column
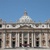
40	40
28	40
16	40
10	40
46	40
32	39
22	39
3	45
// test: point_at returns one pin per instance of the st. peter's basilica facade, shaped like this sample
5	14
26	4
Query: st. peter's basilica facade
24	33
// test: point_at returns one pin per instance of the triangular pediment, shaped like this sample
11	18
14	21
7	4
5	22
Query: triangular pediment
25	27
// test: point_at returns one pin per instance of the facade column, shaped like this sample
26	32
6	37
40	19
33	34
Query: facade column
28	40
46	40
40	40
10	40
3	45
32	39
16	40
22	40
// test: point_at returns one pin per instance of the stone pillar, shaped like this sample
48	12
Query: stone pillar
28	40
16	40
32	39
46	38
10	40
3	45
40	40
22	40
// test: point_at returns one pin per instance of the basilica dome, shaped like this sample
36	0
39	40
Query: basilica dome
25	19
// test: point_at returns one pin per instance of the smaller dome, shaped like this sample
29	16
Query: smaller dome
25	19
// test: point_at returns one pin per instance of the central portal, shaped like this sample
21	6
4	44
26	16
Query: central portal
25	43
13	44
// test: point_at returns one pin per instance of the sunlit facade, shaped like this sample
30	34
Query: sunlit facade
24	33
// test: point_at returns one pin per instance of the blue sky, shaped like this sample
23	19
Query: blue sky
12	10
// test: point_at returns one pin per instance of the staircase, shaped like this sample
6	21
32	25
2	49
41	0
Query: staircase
26	49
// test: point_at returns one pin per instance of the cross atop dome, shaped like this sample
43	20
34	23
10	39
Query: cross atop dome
25	13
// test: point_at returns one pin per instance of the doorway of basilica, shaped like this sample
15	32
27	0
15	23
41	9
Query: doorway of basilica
37	43
13	44
25	43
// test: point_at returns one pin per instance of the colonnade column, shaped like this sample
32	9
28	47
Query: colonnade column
22	39
40	41
10	41
28	40
16	40
46	40
32	39
3	45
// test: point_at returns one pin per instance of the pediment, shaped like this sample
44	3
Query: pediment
25	27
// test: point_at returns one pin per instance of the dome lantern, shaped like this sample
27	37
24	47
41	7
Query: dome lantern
25	13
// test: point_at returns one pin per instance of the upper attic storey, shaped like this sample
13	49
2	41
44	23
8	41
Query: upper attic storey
25	18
